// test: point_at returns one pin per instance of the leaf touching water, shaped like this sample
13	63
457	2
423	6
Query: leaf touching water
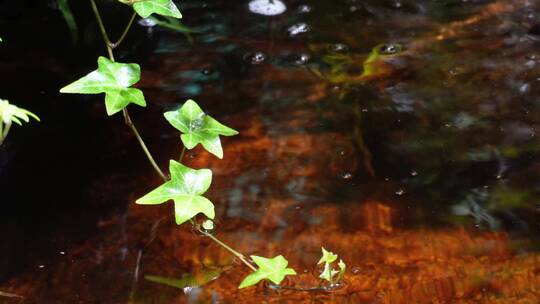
145	8
198	127
114	79
327	256
185	188
274	269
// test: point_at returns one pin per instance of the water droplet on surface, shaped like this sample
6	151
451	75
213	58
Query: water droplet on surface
345	175
414	173
390	48
299	28
338	48
302	59
400	192
397	4
304	8
207	71
356	270
147	22
41	266
255	57
267	8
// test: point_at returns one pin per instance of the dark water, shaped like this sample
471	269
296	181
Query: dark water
420	169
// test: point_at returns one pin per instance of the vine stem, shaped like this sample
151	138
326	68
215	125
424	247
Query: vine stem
127	119
4	133
126	30
182	154
129	123
234	252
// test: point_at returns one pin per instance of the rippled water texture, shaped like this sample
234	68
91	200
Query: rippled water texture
399	134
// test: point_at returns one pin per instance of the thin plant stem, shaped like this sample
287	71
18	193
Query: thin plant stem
182	154
126	30
130	124
4	134
234	252
102	29
127	119
1	132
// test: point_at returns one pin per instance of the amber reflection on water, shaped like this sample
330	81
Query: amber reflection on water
317	164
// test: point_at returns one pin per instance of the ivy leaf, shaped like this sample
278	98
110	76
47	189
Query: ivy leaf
198	127
327	257
274	269
11	113
114	79
145	8
328	273
185	188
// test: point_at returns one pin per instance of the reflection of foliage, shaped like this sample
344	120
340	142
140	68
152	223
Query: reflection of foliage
63	6
473	205
187	280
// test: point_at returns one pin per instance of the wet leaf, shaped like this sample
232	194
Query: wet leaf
274	269
327	256
185	189
145	8
198	127
114	79
328	273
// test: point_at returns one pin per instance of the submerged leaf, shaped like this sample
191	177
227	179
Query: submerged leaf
114	79
185	188
145	8
187	280
198	128
274	269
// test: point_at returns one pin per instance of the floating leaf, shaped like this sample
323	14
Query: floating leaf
198	127
327	257
185	189
114	79
274	269
146	8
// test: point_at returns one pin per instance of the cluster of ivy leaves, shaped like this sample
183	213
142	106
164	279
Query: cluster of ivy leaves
186	186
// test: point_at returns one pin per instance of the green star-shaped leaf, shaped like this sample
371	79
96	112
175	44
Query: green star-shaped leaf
146	8
327	257
114	79
198	127
185	189
274	269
